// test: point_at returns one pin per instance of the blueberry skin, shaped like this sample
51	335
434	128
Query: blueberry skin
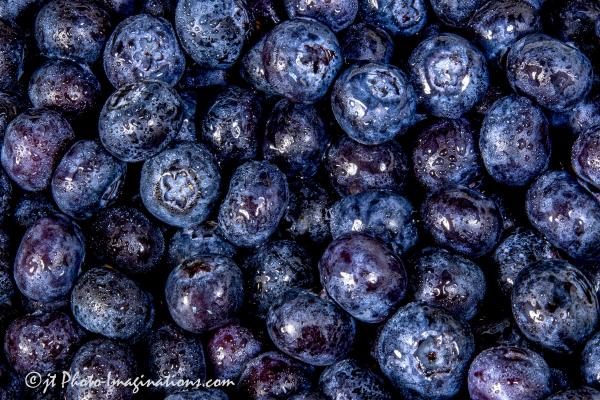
160	8
253	68
517	251
30	207
200	394
204	293
515	141
230	127
563	75
45	134
255	203
509	373
12	54
301	59
122	8
49	259
584	116
445	153
272	270
197	240
385	215
274	376
106	302
126	239
180	185
424	352
10	107
213	32
364	42
355	167
295	139
455	13
139	120
143	47
463	220
75	30
346	380
373	103
96	360
590	361
565	213
583	393
42	343
398	17
6	194
230	348
338	14
585	157
554	305
310	329
87	179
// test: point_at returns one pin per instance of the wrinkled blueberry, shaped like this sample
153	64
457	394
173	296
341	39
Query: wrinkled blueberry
364	42
337	14
198	240
12	54
230	348
398	17
346	379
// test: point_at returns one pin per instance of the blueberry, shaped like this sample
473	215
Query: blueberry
455	13
553	73
200	394
398	17
30	208
585	157
12	54
6	194
364	42
160	8
584	116
373	103
198	240
565	213
445	152
49	259
75	29
16	10
583	393
355	167
87	179
463	220
126	239
143	47
346	379
337	14
254	204
253	67
509	373
295	139
554	305
204	293
230	348
592	271
10	107
33	144
574	21
122	8
590	361
424	351
189	103
449	75
139	120
213	32
301	59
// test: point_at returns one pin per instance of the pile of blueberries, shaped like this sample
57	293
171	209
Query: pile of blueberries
309	199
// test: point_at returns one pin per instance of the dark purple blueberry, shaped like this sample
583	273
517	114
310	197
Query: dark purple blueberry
213	32
198	240
230	348
424	352
143	47
30	207
574	21
337	14
364	42
230	127
449	281
373	103
180	185
398	17
11	384
455	13
583	393
554	74
126	239
347	380
363	276
585	157
41	343
590	361
355	167
445	152
200	394
253	67
554	305
565	213
509	373
272	270
463	220
254	204
33	144
309	328
139	120
96	360
449	74
295	139
515	141
10	107
87	179
301	59
274	376
12	54
585	115
49	259
204	293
